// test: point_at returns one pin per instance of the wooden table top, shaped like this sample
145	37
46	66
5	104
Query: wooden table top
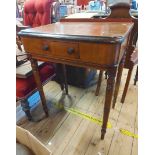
95	31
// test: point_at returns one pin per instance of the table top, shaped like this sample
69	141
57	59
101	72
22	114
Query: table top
96	31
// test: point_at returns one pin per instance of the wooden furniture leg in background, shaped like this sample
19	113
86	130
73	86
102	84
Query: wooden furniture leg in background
106	76
109	94
99	83
34	65
118	80
136	77
126	84
61	76
65	78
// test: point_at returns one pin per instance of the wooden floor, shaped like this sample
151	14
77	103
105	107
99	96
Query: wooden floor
65	133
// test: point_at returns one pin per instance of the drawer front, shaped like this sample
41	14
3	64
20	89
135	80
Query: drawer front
65	49
98	53
51	48
37	46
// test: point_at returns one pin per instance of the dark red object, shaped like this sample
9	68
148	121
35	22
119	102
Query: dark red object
82	2
25	86
37	12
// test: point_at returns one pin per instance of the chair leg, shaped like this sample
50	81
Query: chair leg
118	80
136	77
99	83
126	84
117	85
26	108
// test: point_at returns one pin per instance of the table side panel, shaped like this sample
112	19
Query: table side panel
98	53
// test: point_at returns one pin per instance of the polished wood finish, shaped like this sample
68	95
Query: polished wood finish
119	13
92	20
119	10
89	32
109	93
102	52
108	37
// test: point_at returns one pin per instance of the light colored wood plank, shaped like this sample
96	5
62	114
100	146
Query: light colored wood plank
98	146
54	122
83	135
135	141
81	138
135	145
69	127
122	144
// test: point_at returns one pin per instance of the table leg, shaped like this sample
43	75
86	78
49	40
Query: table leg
136	77
118	80
34	65
65	79
99	83
61	76
108	98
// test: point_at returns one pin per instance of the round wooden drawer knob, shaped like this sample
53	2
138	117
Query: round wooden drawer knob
70	51
45	47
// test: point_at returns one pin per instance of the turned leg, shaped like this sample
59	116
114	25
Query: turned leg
118	80
35	70
26	108
126	84
109	94
99	83
136	76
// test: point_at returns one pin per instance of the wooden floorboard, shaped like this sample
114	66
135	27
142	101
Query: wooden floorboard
134	150
122	144
65	133
82	136
54	124
70	126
